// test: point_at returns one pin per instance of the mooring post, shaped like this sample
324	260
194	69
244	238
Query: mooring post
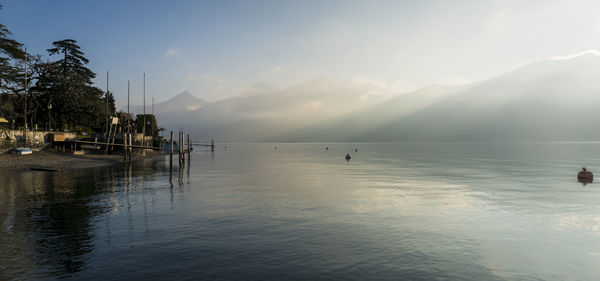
182	146
125	147
189	147
179	147
171	156
212	145
130	146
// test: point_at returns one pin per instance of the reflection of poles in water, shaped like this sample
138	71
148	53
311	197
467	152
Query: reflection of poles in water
188	170
129	216
181	168
189	158
171	158
108	234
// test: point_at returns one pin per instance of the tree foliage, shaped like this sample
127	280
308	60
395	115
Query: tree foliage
60	91
10	51
151	124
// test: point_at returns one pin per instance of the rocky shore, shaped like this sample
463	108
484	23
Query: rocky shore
53	160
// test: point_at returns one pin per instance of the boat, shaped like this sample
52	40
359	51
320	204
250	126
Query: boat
22	151
348	157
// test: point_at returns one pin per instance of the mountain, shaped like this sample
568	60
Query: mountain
547	100
348	126
261	115
168	111
185	101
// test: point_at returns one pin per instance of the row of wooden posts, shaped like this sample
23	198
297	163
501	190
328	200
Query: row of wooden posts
181	147
128	146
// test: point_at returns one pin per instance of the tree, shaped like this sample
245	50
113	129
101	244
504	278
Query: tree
151	125
73	61
68	82
10	50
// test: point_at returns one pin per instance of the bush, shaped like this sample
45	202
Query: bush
82	130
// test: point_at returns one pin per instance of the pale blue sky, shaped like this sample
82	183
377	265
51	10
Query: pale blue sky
216	49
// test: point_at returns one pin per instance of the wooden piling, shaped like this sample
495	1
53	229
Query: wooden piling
183	146
189	147
130	146
125	147
171	155
179	147
212	145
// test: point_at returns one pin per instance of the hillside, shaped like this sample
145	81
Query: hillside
548	100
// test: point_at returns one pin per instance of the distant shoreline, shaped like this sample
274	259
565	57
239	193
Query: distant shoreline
53	160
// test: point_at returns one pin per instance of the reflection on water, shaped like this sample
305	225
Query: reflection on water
445	211
48	219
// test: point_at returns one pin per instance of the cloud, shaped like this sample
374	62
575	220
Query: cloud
171	52
277	68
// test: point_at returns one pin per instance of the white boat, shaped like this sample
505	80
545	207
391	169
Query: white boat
23	151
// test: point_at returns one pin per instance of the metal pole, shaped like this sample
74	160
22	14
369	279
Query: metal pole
189	146
128	124
26	89
144	112
154	119
107	102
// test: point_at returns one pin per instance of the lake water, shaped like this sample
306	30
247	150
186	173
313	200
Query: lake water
429	211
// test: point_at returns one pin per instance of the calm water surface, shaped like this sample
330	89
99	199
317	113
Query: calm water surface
435	211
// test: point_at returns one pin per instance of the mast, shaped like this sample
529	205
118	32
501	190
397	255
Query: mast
106	101
144	110
128	125
153	116
26	90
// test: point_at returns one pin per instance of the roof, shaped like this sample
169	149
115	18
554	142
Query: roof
3	120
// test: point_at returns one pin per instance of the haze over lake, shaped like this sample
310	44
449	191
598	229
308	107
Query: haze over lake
433	211
351	140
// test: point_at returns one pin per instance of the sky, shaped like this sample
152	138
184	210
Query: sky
217	49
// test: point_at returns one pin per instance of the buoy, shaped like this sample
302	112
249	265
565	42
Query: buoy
585	176
348	157
327	148
356	150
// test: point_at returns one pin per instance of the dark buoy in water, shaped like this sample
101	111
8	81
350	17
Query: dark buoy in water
275	148
584	176
356	150
327	148
348	157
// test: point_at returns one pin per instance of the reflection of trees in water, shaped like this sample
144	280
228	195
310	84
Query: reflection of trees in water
47	220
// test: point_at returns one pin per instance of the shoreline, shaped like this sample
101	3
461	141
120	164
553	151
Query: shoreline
49	160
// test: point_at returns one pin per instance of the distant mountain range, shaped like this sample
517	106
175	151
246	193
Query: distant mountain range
546	100
263	115
167	112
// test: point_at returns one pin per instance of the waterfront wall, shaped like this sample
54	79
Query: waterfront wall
10	139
